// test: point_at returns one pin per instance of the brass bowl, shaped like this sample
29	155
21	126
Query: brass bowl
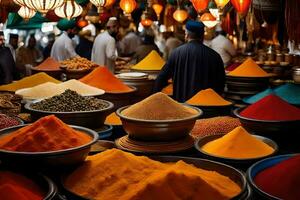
158	130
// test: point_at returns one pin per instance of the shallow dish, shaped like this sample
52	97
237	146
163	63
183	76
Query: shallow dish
158	130
242	163
260	166
90	119
60	158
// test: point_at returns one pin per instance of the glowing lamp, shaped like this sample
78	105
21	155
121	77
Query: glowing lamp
180	15
26	13
128	6
208	20
241	6
68	10
200	5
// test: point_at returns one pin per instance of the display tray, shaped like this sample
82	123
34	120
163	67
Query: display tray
134	146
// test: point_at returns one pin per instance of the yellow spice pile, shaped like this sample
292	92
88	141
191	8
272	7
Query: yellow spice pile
117	175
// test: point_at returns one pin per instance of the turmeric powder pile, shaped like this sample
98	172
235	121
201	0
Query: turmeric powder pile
113	119
159	106
168	90
208	97
238	144
249	68
47	134
115	174
152	62
28	82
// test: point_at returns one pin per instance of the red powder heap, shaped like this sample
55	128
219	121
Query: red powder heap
281	180
16	187
272	108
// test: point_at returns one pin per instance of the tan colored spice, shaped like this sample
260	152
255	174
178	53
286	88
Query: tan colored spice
159	106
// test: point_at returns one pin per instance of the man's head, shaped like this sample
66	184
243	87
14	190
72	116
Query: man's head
112	26
31	42
69	26
194	30
13	40
2	40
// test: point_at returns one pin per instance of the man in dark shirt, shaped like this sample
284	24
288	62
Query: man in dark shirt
8	71
192	66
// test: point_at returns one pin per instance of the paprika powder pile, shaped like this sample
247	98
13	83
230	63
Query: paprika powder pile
50	64
18	187
114	174
47	134
282	180
102	78
271	108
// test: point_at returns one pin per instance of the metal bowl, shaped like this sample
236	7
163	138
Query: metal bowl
90	119
158	130
241	163
225	170
60	158
260	166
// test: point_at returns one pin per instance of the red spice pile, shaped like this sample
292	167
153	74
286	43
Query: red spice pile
281	180
272	108
17	187
6	121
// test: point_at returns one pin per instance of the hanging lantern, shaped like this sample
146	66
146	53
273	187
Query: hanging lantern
68	10
221	3
26	13
145	19
127	6
180	15
99	4
200	5
109	3
43	6
208	20
157	9
212	7
241	6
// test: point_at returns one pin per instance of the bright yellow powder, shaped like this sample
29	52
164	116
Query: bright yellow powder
115	174
208	97
152	61
238	144
113	119
249	68
168	90
29	81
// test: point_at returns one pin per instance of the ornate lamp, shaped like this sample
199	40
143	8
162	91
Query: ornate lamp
99	4
20	2
68	10
221	3
157	9
128	6
26	13
109	3
180	15
241	6
43	6
200	5
208	20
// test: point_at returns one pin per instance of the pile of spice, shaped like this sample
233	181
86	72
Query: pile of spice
28	82
289	92
78	63
208	97
50	64
114	174
49	89
152	62
258	96
18	187
281	180
7	121
102	78
159	106
70	101
214	126
10	103
168	90
47	134
238	144
113	119
249	68
271	108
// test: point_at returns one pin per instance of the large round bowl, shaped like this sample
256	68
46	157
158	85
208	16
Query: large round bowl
283	132
225	170
240	163
90	119
59	158
260	166
158	130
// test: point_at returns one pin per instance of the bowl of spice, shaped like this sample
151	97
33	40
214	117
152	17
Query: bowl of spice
158	118
72	108
23	186
46	142
141	177
50	66
276	177
238	147
7	121
211	103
